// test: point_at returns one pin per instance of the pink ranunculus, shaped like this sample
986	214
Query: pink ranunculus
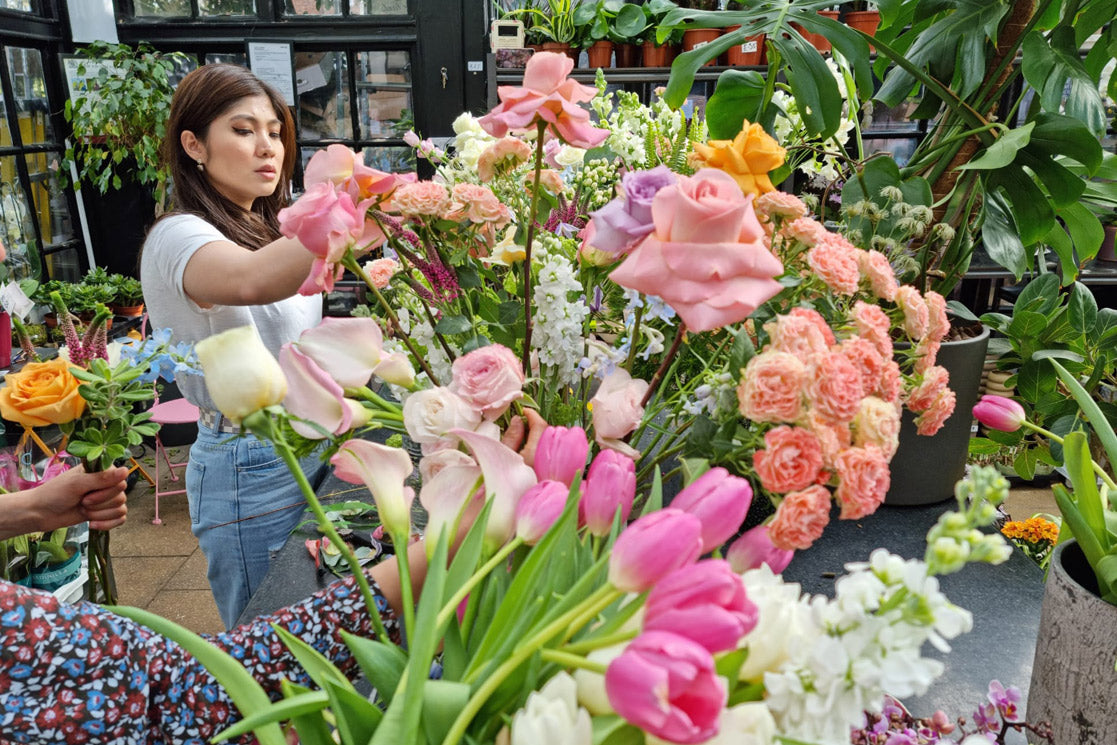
865	357
610	486
800	518
561	454
834	387
539	508
381	271
755	548
877	423
477	204
347	348
420	199
916	315
834	260
932	420
667	685
791	459
879	272
935	380
938	324
314	396
720	500
704	602
346	169
652	547
489	378
771	388
706	257
430	414
383	470
872	323
803	333
998	412
547	95
617	409
863	479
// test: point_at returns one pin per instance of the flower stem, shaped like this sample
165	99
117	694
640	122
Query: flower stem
565	659
452	604
400	540
667	360
598	642
1105	477
540	129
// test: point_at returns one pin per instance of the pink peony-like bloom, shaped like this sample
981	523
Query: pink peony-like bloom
653	546
561	454
934	381
381	271
834	260
800	519
539	508
926	354
806	230
916	316
998	412
547	95
704	602
617	409
791	460
610	485
779	204
872	323
667	686
720	500
477	204
489	379
834	437
877	423
706	257
834	387
866	359
933	419
938	325
882	278
346	169
863	480
802	332
771	388
891	382
421	199
503	155
755	548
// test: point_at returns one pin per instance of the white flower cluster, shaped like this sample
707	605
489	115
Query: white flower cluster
470	140
421	333
596	182
789	129
629	122
557	324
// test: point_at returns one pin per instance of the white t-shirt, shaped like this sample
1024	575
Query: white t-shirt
168	248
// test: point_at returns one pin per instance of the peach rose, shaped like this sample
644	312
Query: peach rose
938	324
877	423
926	354
935	380
477	204
834	260
41	393
424	198
834	437
381	271
489	379
806	230
834	387
748	158
503	155
916	316
863	480
779	204
891	382
800	519
790	461
771	388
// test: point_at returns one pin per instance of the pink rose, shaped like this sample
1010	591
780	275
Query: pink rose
834	387
875	267
834	437
834	260
325	221
346	169
548	95
891	382
489	379
771	388
873	324
706	256
800	519
877	423
863	480
933	419
617	409
791	460
421	199
916	316
803	333
477	204
926	354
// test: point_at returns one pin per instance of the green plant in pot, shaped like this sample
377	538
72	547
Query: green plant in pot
127	292
38	559
608	20
551	21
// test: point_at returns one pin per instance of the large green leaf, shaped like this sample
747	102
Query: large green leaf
382	664
282	710
1056	136
1003	150
1055	69
737	97
1040	295
1083	308
443	700
1063	186
1000	236
1031	212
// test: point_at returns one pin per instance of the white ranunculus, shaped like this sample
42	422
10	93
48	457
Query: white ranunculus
551	716
241	375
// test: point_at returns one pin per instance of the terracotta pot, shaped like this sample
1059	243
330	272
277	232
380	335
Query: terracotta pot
749	52
656	56
600	54
694	38
818	41
863	20
561	47
128	311
628	55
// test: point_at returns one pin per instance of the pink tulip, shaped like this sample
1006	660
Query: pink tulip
720	500
349	349
755	548
652	547
383	470
539	508
705	602
561	454
667	686
610	485
998	412
314	396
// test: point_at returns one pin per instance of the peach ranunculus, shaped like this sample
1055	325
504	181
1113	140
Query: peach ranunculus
863	480
706	256
771	388
346	169
791	460
489	378
477	204
41	393
877	423
421	199
800	518
834	387
503	155
834	260
548	95
617	409
748	158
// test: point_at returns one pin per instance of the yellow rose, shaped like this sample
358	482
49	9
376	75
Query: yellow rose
41	393
748	158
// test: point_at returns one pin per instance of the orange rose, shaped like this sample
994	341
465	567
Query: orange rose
41	393
748	158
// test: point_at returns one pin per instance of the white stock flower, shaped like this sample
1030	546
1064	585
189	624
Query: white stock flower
557	334
551	716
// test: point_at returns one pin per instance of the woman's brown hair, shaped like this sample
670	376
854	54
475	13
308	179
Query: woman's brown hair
201	97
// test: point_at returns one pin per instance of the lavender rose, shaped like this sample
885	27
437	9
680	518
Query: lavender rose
624	221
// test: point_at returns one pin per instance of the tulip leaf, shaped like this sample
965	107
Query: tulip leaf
1106	572
1080	469
737	97
1102	428
311	728
317	666
1079	529
382	664
443	700
358	719
280	711
611	729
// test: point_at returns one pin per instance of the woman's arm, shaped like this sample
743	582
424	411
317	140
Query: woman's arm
223	273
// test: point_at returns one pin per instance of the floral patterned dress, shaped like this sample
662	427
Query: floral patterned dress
79	674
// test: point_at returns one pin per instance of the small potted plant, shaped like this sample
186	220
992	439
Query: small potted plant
42	560
605	23
128	296
750	51
554	23
861	15
658	38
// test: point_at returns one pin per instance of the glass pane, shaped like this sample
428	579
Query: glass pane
24	5
384	94
227	7
163	8
231	58
64	265
49	198
893	117
30	91
312	7
377	7
901	148
5	133
17	230
323	92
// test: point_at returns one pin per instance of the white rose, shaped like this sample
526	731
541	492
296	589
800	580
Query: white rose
428	415
551	716
241	374
570	156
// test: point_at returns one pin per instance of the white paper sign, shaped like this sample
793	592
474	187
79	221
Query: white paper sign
271	62
14	301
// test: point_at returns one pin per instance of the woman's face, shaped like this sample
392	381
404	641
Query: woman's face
243	151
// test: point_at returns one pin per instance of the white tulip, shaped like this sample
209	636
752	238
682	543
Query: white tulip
241	374
551	716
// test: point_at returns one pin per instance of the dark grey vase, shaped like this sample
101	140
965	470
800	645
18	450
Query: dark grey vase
925	469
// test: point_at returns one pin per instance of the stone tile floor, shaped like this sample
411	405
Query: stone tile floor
162	569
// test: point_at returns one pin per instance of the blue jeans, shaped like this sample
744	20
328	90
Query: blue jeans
244	502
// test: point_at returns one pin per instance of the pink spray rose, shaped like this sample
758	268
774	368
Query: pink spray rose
771	388
617	409
881	276
539	508
805	230
933	419
420	199
548	95
865	357
834	259
800	518
938	325
489	378
720	500
706	257
863	480
755	548
791	460
667	686
561	454
916	315
872	323
652	547
704	602
834	387
505	153
935	380
477	204
610	485
780	204
381	271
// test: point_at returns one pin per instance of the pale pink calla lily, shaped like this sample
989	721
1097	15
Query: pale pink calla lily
383	470
396	369
348	348
445	495
507	477
314	396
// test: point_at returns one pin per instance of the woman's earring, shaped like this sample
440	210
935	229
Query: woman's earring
201	166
